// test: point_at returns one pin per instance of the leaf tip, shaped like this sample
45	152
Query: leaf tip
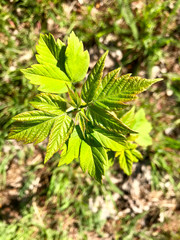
46	160
158	80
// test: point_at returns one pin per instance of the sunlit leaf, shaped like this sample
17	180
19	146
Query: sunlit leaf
110	141
143	127
92	83
77	60
94	160
127	156
138	122
71	151
60	132
106	120
33	126
50	103
49	78
51	52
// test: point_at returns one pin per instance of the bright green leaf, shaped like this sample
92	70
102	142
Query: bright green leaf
49	77
126	87
33	126
125	163
33	116
94	160
77	60
49	103
51	52
114	92
137	154
60	132
127	156
75	99
82	119
92	83
71	152
138	122
106	120
143	127
107	83
128	117
106	140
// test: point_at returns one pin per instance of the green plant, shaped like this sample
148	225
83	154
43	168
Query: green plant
90	126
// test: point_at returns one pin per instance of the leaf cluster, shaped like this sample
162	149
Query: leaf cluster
85	126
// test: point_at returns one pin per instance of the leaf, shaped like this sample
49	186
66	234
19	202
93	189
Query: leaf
75	99
33	116
106	120
77	60
112	92
143	127
127	85
118	137
107	83
115	92
127	156
111	158
125	162
92	83
33	126
94	160
139	123
49	77
72	150
82	119
60	132
128	117
49	103
111	104
51	52
137	154
102	92
108	140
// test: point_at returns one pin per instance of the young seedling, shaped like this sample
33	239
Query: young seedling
88	127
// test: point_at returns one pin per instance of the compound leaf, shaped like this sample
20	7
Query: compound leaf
92	83
77	60
60	132
99	131
49	103
49	77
